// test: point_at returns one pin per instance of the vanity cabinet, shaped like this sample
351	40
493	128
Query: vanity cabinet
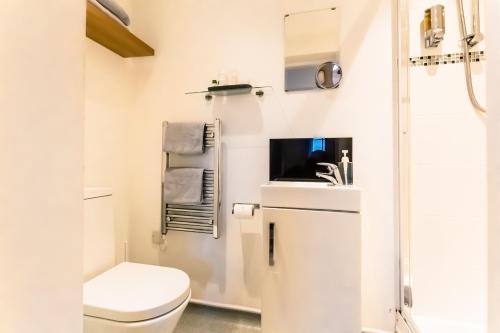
312	275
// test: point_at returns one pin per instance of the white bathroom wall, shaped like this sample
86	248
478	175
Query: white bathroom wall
108	110
193	41
109	99
493	105
448	182
41	165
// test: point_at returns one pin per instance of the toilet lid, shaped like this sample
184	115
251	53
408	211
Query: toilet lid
135	292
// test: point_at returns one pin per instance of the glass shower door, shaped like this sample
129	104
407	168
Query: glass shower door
442	141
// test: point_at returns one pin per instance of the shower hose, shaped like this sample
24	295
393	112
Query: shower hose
467	61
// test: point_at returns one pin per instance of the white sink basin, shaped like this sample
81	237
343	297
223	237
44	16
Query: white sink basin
311	195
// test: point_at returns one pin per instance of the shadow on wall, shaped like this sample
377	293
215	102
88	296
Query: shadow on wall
352	40
240	115
242	237
189	252
251	248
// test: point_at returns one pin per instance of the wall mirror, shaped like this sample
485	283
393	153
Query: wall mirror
312	47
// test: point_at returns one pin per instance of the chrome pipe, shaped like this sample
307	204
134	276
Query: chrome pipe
466	50
476	36
197	231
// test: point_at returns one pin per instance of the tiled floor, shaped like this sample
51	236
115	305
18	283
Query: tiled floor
202	319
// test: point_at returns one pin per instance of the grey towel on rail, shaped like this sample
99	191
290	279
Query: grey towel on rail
116	10
184	138
183	186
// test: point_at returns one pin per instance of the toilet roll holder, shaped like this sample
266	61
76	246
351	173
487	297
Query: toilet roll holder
254	206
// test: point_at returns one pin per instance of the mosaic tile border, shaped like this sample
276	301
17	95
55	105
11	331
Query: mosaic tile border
443	59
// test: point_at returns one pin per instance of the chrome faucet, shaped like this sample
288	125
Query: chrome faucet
333	174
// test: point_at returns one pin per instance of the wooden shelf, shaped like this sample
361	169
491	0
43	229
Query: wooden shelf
104	30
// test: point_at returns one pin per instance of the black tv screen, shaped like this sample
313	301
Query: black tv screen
296	159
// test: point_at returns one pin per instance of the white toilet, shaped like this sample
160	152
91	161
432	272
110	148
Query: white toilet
127	298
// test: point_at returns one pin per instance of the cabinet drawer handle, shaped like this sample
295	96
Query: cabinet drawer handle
271	243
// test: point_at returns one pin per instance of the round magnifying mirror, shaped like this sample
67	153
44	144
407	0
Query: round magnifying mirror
328	75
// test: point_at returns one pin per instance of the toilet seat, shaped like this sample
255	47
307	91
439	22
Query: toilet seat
132	292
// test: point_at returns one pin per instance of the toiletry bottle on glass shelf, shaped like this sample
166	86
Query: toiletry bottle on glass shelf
345	168
232	77
222	78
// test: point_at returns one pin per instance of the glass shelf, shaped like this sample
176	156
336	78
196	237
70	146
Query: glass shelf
231	90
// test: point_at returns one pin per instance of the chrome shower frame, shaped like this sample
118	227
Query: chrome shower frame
403	320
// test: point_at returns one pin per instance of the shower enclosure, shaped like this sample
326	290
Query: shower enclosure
442	164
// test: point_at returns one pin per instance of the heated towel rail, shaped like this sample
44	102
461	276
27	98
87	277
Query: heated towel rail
203	218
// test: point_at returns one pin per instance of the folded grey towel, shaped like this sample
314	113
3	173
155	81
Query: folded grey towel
184	138
183	186
116	10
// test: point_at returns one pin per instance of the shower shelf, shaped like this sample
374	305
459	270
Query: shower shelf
231	90
104	30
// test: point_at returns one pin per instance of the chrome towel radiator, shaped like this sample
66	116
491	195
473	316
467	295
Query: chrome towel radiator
203	218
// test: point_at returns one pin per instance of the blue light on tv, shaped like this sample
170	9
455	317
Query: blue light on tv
318	144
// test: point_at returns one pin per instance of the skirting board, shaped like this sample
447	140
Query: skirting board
257	311
225	306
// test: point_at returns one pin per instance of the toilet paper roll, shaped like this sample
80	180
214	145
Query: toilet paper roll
242	211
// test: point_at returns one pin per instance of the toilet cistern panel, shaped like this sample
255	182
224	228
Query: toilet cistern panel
99	252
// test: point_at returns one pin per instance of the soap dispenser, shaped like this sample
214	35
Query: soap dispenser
345	168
